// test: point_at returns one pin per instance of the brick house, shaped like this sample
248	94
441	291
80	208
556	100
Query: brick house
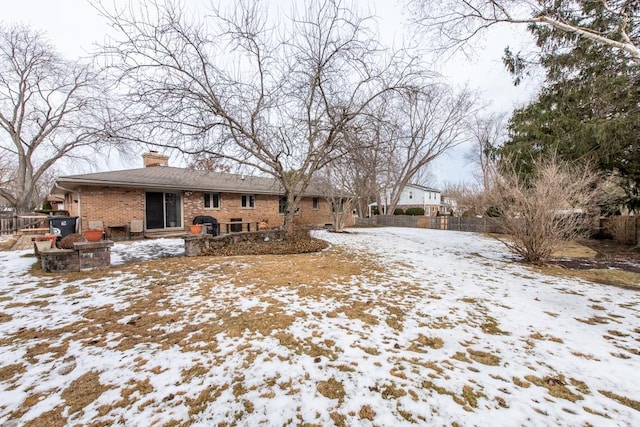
167	199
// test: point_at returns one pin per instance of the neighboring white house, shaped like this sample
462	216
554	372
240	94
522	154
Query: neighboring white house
419	196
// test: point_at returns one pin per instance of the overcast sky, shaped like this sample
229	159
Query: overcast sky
73	27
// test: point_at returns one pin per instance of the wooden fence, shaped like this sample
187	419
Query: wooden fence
624	229
476	225
10	223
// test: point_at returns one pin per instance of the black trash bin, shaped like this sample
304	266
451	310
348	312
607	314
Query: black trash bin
209	223
62	225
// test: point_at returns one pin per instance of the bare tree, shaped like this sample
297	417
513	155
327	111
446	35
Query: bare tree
50	109
274	96
457	22
208	162
336	181
488	133
423	124
554	205
469	198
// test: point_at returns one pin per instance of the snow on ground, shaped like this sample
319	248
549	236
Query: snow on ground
444	329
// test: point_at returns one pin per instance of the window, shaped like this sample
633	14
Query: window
316	203
248	201
282	205
411	194
338	205
212	200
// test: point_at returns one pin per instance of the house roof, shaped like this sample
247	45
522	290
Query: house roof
423	188
171	178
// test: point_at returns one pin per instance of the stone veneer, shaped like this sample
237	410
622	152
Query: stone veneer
83	257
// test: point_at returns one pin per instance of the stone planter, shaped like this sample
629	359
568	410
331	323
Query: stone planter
196	228
94	235
41	245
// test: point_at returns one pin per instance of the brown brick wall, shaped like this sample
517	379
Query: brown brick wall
111	205
266	209
117	206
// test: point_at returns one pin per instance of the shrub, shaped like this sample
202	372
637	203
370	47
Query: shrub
622	229
493	212
375	211
544	209
414	211
398	211
68	241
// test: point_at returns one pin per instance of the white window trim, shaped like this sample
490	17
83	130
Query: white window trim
211	193
248	197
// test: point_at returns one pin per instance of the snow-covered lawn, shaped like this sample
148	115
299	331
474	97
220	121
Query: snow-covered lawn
388	327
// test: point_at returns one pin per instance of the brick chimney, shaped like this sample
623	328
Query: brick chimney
153	158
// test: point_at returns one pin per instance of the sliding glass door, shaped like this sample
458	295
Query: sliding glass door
163	210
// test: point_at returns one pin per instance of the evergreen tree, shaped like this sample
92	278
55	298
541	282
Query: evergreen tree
589	108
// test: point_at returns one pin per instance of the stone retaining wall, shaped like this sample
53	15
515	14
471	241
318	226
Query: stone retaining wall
83	257
199	244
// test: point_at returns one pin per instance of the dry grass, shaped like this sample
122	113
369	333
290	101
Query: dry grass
154	314
83	391
574	250
625	279
151	316
484	357
631	403
331	389
557	387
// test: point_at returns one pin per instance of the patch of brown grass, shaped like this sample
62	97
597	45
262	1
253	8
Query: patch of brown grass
595	320
468	398
624	279
10	371
538	336
82	391
339	420
461	356
556	386
574	249
484	357
332	389
391	391
490	326
418	345
366	413
306	346
206	396
52	418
